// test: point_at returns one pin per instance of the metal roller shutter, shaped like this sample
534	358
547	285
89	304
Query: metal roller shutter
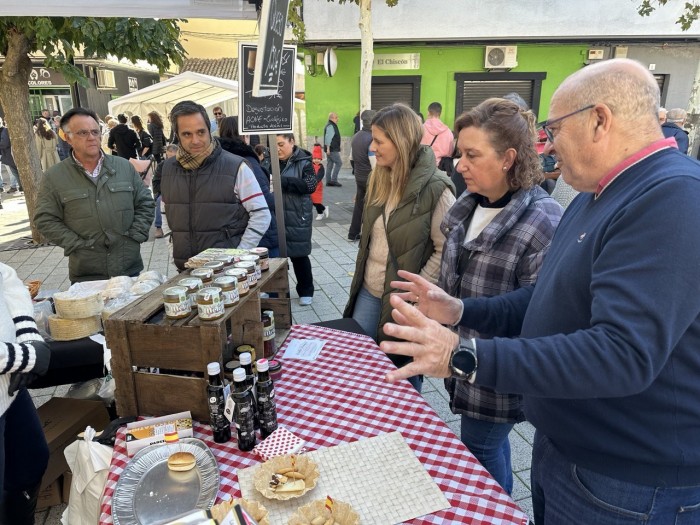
474	92
387	94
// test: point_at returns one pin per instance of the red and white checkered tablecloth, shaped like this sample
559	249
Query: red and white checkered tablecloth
342	397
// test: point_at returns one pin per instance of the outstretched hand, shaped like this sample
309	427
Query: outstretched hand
428	342
431	300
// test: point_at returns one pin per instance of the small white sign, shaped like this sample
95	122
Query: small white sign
396	61
133	84
306	349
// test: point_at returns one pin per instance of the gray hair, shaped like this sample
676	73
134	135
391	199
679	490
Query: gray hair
188	107
366	117
623	85
676	115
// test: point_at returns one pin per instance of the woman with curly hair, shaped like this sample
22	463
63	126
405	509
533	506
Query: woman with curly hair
155	128
46	144
497	234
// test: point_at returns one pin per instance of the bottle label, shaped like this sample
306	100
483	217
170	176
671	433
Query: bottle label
268	333
230	409
217	407
267	410
245	421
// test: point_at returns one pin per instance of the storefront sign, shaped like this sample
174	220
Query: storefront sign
42	77
397	61
133	84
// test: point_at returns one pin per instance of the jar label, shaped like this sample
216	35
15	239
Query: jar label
258	272
243	287
252	279
209	311
179	309
264	264
230	296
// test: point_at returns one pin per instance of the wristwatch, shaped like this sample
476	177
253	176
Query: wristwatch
463	361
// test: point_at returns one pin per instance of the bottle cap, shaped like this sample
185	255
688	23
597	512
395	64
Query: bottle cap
213	369
262	365
245	358
239	375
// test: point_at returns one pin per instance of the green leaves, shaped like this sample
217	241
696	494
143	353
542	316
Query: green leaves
691	11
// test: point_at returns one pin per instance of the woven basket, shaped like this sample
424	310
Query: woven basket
68	306
343	513
70	329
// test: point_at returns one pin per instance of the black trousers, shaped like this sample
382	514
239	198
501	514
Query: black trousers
356	223
305	279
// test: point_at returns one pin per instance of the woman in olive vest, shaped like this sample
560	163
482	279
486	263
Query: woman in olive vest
407	198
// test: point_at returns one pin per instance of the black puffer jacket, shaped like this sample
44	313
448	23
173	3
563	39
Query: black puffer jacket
242	149
125	141
298	183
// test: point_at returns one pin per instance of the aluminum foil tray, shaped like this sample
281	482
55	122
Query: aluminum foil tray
148	492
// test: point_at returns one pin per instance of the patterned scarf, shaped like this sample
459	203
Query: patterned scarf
192	162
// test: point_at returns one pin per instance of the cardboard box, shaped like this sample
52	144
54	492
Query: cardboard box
49	496
62	419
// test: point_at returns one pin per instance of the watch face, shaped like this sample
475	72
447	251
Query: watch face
464	361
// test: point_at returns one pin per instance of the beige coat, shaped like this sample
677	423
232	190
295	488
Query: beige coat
48	152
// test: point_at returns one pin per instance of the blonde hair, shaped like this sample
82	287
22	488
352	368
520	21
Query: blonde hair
402	126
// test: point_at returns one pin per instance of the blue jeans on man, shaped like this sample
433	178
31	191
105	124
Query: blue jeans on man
563	492
488	441
333	165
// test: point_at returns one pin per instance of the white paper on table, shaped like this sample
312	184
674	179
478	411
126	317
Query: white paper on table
306	349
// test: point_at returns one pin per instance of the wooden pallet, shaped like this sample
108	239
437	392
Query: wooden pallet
141	337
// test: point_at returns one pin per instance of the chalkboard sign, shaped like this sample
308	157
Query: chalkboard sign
268	114
273	20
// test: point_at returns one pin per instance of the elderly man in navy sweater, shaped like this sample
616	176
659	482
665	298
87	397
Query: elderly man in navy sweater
605	347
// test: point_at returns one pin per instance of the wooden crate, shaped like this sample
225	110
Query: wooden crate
141	337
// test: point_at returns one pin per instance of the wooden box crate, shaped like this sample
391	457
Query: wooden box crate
141	337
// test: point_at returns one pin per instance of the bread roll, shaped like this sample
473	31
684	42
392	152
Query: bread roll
181	461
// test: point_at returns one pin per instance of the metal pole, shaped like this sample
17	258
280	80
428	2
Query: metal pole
271	141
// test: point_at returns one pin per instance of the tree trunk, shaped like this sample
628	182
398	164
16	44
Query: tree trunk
367	59
14	96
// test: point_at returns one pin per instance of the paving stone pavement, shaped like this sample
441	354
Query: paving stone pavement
333	262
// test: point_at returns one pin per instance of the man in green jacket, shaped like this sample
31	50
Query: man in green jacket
94	206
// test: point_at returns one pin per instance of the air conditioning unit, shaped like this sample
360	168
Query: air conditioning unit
501	57
105	79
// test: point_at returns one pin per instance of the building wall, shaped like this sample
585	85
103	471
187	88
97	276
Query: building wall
209	38
438	65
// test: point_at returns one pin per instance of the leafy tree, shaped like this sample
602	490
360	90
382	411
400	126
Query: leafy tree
58	39
366	42
691	11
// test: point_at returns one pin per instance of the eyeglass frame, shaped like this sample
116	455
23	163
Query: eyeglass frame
84	133
219	113
547	123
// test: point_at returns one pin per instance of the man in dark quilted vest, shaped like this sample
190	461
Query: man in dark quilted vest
211	196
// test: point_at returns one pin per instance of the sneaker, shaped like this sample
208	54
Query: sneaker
306	301
325	212
12	190
319	216
159	233
353	238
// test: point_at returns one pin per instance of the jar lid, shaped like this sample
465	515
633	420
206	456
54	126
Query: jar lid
275	365
224	258
246	265
251	257
238	273
239	375
209	292
260	251
174	291
190	282
214	265
214	369
230	366
244	348
225	280
205	273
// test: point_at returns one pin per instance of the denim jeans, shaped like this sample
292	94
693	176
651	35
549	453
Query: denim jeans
333	165
14	177
488	441
565	493
159	214
367	312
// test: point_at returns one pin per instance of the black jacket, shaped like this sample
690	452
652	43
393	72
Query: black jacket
298	183
6	148
242	149
125	141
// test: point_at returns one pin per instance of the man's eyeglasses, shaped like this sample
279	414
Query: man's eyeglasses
546	125
84	133
215	113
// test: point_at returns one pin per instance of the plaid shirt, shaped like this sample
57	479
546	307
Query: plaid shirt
506	255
